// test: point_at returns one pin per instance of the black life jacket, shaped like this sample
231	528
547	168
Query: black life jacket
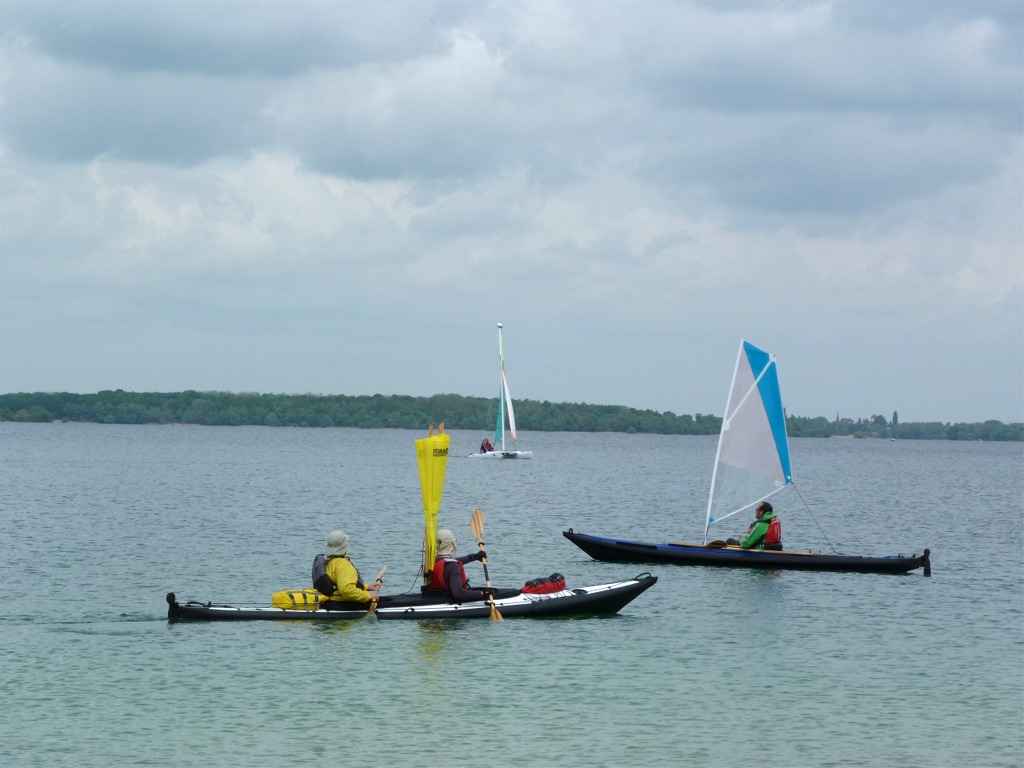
323	583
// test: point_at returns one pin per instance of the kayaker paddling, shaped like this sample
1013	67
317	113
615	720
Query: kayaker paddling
336	577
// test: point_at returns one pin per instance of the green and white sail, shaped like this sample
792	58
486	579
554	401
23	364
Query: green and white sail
752	460
506	423
504	399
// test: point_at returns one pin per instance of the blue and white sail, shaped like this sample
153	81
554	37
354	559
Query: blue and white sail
752	460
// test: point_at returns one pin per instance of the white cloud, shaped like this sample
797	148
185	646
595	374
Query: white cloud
288	202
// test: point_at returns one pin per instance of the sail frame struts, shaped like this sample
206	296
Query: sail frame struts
432	460
752	461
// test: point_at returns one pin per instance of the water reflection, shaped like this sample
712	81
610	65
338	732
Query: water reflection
434	638
336	628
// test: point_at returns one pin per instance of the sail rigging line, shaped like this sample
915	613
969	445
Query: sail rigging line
809	512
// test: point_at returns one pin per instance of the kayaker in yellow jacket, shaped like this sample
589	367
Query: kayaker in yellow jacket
348	587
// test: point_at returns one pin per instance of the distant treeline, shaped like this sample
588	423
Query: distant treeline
456	411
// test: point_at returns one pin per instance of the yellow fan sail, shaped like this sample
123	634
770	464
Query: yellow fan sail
432	458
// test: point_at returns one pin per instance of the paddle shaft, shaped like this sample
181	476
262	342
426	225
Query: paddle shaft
476	524
375	597
483	562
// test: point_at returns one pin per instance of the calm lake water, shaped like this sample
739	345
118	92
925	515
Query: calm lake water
711	667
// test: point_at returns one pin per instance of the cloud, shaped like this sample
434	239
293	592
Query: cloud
285	196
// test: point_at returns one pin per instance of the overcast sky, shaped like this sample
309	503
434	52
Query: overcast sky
346	197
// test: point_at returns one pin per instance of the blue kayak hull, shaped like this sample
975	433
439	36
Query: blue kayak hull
681	553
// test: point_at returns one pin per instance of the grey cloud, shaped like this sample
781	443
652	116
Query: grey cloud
616	181
262	38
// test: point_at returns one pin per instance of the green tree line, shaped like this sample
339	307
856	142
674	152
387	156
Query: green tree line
456	411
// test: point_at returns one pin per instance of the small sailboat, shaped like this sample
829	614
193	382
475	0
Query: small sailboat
506	418
752	463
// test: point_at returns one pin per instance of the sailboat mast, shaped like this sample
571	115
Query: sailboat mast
499	430
721	435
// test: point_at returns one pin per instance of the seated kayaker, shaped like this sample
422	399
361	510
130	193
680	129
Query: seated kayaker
449	574
336	577
763	533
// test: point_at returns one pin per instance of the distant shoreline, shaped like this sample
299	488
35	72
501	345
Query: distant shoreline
456	411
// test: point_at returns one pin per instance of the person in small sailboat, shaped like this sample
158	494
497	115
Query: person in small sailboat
335	576
449	574
763	533
485	446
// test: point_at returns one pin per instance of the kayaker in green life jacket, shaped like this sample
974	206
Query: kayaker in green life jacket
765	532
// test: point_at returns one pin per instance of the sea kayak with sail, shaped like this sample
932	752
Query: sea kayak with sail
752	463
722	554
540	597
597	599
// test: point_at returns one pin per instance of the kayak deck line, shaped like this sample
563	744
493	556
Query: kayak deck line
738	548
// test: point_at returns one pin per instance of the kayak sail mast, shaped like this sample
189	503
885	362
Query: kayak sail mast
432	459
752	460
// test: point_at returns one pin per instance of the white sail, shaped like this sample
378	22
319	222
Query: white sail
752	460
506	415
508	404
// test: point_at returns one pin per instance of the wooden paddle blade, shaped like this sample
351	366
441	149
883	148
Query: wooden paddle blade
495	615
383	570
717	544
476	524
